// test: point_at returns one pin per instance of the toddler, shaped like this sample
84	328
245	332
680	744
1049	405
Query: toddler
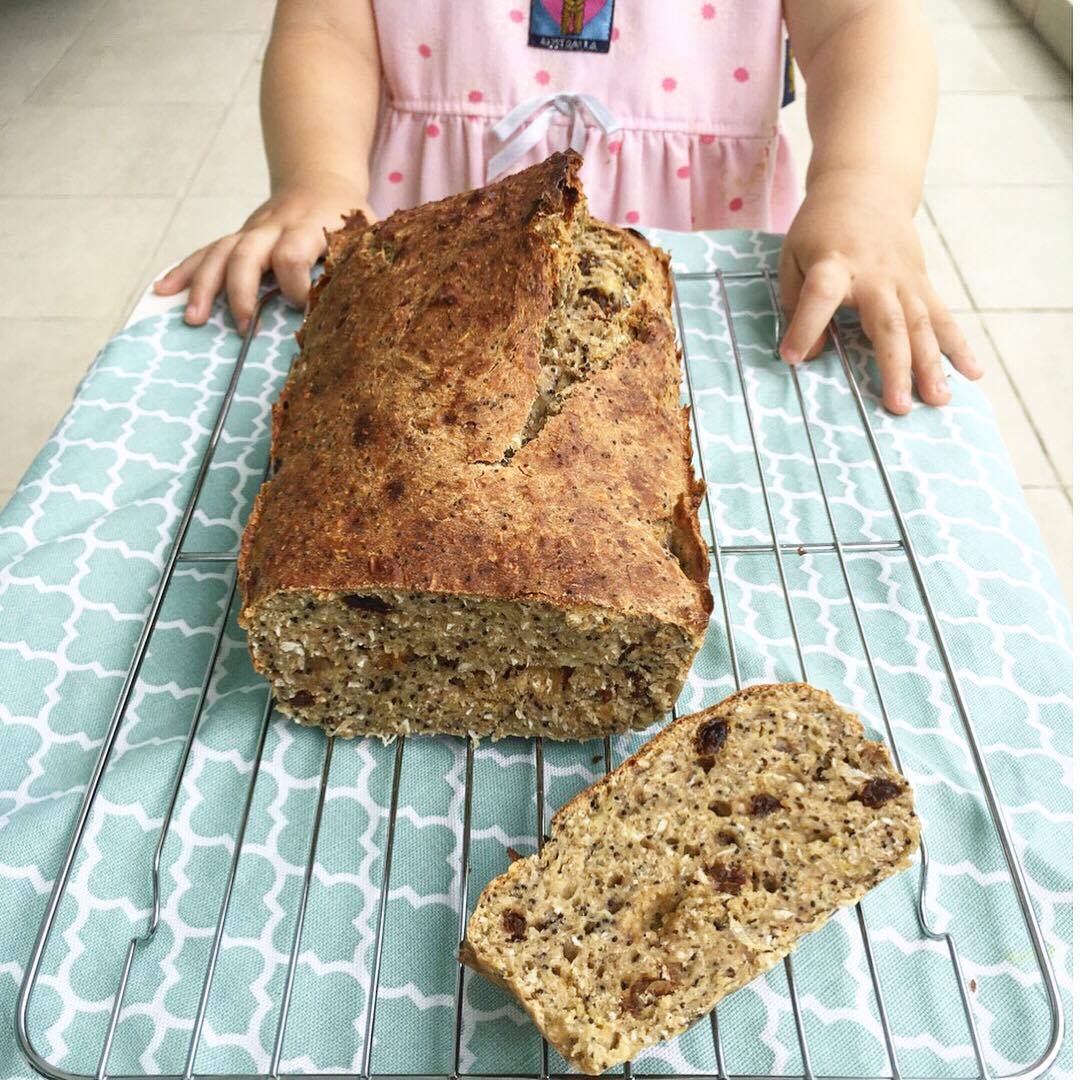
674	106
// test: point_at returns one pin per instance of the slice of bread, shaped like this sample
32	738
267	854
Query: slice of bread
691	869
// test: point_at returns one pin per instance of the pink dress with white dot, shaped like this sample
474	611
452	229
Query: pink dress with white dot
691	94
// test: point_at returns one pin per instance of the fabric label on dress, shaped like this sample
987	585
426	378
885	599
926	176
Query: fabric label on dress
571	25
789	75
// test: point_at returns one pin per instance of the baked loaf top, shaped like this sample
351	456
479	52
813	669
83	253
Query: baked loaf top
431	437
691	869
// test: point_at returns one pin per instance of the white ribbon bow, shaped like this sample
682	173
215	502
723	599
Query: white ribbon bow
542	110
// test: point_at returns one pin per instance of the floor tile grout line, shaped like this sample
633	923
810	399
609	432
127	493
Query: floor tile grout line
1019	310
143	196
997	185
971	309
147	269
1014	92
141	279
156	101
1063	488
53	318
60	59
101	104
1026	96
1059	488
1015	387
102	4
949	254
979	315
32	106
198	31
1063	73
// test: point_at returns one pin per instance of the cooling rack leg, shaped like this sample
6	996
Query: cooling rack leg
163	831
463	902
380	921
298	930
954	959
114	1014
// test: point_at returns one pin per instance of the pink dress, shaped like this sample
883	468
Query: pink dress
690	93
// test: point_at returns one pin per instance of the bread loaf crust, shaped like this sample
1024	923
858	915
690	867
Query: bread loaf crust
388	463
402	443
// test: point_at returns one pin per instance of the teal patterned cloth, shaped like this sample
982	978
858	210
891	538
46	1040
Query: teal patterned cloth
82	545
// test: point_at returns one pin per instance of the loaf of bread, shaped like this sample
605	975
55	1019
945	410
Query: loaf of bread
691	869
483	514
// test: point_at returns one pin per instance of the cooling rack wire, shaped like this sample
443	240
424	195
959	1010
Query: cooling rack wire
774	550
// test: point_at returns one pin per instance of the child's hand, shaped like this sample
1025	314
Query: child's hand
853	242
285	234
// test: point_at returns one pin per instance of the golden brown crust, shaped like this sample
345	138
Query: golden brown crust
419	366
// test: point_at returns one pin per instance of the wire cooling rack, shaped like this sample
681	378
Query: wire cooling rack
777	556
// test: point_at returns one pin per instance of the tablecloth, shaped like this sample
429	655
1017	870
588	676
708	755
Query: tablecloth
82	545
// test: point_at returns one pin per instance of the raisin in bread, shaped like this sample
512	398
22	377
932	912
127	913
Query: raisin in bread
483	517
691	869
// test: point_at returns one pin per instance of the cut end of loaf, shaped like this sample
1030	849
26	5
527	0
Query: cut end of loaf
388	663
692	869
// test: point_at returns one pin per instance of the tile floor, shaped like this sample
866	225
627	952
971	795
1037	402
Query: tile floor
87	87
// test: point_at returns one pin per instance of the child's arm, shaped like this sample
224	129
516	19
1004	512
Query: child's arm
320	94
871	92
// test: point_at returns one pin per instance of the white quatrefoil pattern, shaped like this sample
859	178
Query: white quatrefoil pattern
82	546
